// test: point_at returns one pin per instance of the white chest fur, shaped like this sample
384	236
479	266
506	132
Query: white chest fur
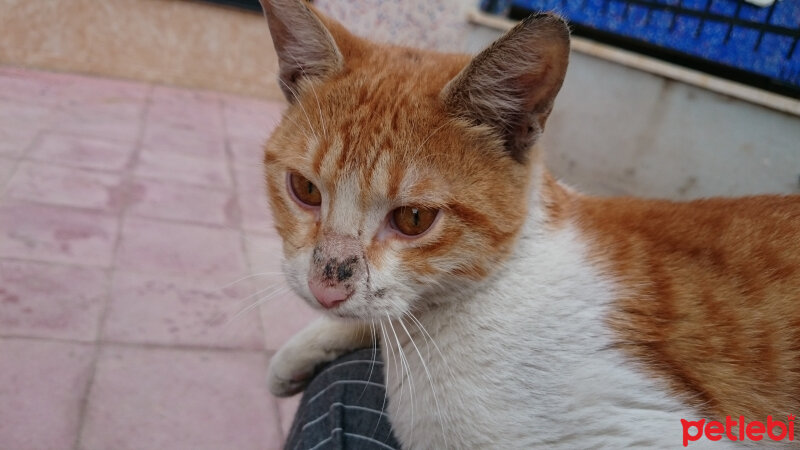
526	362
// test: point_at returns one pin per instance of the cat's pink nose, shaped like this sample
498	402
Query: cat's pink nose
329	296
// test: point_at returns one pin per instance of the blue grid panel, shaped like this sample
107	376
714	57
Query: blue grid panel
742	46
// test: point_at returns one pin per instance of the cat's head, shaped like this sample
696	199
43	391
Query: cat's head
397	172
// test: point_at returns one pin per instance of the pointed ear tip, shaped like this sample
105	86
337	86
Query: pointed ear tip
279	3
549	22
267	6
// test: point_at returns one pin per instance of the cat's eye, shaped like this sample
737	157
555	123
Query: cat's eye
413	221
304	191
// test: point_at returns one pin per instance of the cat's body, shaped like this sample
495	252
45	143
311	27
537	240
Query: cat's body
514	311
527	360
543	353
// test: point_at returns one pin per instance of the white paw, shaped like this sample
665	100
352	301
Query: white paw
290	370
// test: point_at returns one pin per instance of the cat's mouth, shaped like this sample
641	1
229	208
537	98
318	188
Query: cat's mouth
346	309
346	315
365	305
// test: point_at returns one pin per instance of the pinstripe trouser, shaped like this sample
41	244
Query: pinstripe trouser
344	407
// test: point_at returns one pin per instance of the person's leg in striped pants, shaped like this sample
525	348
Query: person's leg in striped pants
344	407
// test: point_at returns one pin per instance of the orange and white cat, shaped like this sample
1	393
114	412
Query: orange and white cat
513	312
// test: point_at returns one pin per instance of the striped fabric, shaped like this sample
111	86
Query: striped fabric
344	407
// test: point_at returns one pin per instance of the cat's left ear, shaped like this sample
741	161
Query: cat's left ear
510	87
305	47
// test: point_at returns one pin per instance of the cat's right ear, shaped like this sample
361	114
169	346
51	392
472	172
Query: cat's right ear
306	49
510	87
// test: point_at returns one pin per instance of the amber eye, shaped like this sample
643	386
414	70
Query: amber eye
413	221
304	191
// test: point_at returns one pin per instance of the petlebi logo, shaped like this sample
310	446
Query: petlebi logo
738	430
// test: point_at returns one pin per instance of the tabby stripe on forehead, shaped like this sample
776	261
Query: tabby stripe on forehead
347	144
319	156
373	161
377	107
367	178
333	152
396	175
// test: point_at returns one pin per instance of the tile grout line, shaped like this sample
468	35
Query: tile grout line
142	345
166	277
111	213
61	165
129	82
99	342
73	134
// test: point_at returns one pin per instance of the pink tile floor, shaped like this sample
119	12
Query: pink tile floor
130	215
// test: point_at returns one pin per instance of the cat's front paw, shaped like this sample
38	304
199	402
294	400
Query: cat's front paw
290	370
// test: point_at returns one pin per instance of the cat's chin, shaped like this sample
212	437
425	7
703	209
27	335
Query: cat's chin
362	314
347	316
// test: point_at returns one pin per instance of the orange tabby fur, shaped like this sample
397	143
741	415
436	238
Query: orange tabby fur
713	295
712	287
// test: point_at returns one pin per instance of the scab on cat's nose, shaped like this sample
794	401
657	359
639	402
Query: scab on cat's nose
341	270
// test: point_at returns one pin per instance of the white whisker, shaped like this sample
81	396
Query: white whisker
394	359
386	383
314	91
425	331
407	368
374	341
430	380
425	141
259	292
260	274
303	108
444	360
257	303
